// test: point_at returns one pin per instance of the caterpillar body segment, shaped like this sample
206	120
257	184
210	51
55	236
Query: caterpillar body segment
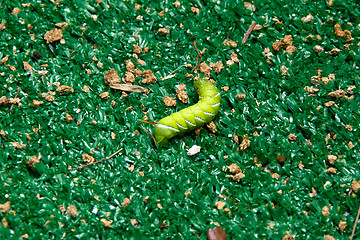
192	117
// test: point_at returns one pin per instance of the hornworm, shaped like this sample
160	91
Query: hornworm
192	117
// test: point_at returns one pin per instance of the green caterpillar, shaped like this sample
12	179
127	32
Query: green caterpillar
192	117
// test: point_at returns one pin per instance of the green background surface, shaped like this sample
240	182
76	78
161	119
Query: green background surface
257	209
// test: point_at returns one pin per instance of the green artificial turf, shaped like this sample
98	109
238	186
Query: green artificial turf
261	205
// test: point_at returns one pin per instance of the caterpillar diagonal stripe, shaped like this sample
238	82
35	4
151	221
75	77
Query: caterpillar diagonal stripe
192	117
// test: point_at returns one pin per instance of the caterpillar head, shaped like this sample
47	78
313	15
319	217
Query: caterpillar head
162	134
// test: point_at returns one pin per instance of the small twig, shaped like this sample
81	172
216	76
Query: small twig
248	32
356	221
17	92
198	55
102	160
171	75
223	196
72	54
149	133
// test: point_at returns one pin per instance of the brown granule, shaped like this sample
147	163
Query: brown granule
195	10
88	158
169	101
112	77
106	222
105	95
125	202
149	77
205	69
72	211
181	94
244	144
27	67
211	126
241	96
308	18
163	31
338	93
64	89
5	207
137	49
325	211
218	66
129	78
230	43
33	161
292	137
2	27
53	35
85	89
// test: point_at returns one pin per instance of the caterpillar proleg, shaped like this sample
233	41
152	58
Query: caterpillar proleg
192	117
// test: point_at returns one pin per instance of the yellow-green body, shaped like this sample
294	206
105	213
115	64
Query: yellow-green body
192	117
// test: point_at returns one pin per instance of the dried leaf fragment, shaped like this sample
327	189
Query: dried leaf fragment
134	222
205	69
280	158
216	234
53	35
318	48
237	177
4	59
129	88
